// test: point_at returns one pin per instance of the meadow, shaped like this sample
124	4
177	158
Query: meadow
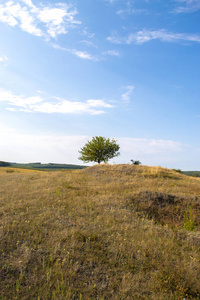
103	232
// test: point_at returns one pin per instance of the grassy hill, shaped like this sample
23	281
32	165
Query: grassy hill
104	232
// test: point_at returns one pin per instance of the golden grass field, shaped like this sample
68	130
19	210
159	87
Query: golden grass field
104	232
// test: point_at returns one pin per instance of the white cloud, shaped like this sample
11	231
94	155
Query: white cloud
83	54
111	1
28	3
148	146
152	151
115	38
144	36
56	18
78	53
27	22
111	53
86	55
87	34
164	36
187	6
88	43
8	12
126	95
130	10
43	20
3	58
54	105
40	92
45	148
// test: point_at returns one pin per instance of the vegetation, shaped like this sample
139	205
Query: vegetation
99	149
43	167
135	162
177	170
4	164
192	173
104	232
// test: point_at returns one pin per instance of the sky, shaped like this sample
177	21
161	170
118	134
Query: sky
125	70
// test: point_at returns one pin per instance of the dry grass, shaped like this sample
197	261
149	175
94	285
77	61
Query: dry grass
105	232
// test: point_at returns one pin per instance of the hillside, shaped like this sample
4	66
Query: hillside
104	232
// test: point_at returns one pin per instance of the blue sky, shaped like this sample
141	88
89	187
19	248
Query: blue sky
129	70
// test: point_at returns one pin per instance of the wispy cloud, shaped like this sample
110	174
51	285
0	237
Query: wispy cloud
78	53
88	43
187	6
3	58
149	146
152	151
111	1
130	10
87	34
116	39
86	55
83	54
144	36
54	105
111	53
43	20
127	94
3	61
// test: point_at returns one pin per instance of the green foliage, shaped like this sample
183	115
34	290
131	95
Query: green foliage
189	220
192	173
4	164
177	170
10	171
99	149
43	167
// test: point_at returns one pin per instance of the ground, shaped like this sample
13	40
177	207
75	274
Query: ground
104	232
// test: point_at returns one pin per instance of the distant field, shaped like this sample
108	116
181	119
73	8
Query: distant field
103	232
192	173
43	167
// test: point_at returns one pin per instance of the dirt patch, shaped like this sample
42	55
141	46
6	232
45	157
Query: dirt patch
166	209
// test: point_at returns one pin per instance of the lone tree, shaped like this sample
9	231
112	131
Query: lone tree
99	149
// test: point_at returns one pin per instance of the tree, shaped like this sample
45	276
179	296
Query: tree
4	164
99	149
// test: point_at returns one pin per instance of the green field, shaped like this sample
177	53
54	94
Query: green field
192	173
49	166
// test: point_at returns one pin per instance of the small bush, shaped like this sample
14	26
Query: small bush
177	170
10	171
135	162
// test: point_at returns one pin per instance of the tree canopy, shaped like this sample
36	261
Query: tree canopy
4	164
99	149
